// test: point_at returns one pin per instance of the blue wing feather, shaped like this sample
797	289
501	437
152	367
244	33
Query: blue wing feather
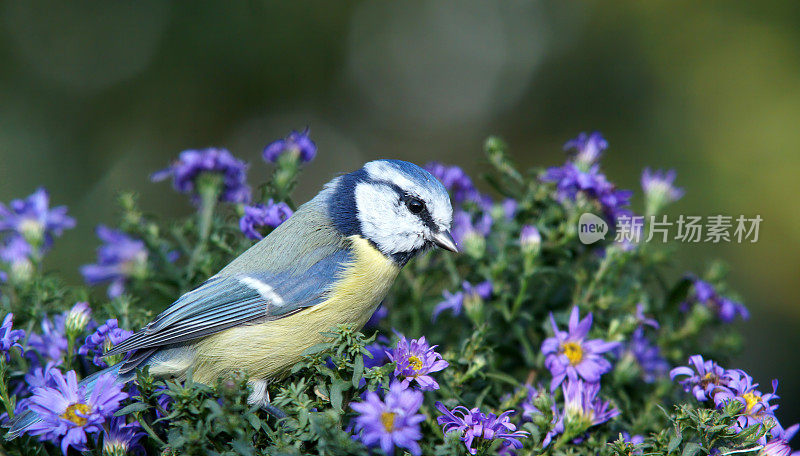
226	301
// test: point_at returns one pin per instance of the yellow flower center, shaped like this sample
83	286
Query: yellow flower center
709	379
72	411
415	362
751	399
387	419
573	352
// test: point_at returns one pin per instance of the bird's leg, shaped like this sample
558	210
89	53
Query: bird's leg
260	397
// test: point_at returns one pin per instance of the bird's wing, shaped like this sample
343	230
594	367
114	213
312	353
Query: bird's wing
227	301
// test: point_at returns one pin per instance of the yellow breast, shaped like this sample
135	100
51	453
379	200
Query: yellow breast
268	349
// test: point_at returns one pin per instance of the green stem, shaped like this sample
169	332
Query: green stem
209	187
523	287
9	406
600	273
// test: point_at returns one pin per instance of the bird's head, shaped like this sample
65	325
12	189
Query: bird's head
398	206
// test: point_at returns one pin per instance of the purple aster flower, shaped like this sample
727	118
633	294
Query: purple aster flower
122	438
415	361
588	148
391	422
456	181
582	404
51	344
34	220
40	377
464	228
297	145
705	379
477	428
659	189
726	309
77	318
105	336
569	354
9	338
757	407
270	214
193	164
779	445
455	302
68	415
119	259
648	356
570	180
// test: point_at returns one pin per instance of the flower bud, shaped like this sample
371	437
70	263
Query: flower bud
530	240
77	318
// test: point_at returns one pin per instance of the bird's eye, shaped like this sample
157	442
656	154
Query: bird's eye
415	205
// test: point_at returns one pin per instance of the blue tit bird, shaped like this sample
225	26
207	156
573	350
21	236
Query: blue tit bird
330	263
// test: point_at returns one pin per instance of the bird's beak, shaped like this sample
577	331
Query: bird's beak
444	240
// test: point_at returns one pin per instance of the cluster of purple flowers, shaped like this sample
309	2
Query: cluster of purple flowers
577	363
643	351
69	412
50	343
27	229
193	164
726	309
476	427
102	339
270	214
297	146
119	259
466	226
711	383
33	219
456	181
394	421
455	301
582	175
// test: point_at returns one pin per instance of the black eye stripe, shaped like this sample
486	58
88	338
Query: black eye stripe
425	215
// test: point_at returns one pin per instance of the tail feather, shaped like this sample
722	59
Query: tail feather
26	419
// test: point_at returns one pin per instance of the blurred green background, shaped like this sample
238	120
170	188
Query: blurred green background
94	96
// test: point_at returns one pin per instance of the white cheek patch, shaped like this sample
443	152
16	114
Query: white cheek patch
387	222
266	291
438	202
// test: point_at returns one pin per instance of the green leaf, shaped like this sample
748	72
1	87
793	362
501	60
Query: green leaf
317	348
132	408
358	371
691	449
674	442
336	395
